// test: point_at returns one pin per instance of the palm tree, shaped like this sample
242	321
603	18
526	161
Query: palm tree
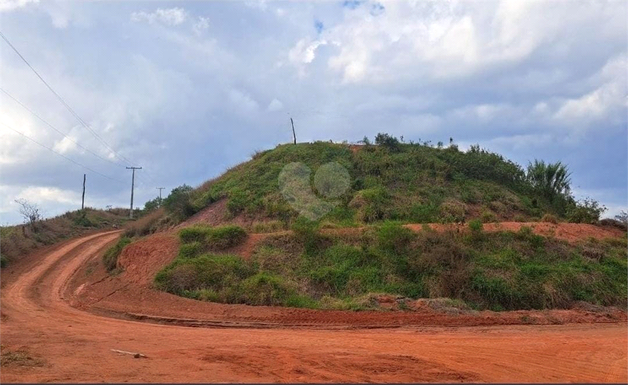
551	179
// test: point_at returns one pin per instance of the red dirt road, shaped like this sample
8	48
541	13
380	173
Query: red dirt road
72	345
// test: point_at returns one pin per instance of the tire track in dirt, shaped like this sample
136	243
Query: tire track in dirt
76	345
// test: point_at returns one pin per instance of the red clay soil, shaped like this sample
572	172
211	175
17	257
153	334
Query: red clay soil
62	343
130	295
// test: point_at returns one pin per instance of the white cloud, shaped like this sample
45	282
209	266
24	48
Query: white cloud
304	51
169	17
609	98
521	76
443	40
10	5
275	105
201	25
65	145
40	195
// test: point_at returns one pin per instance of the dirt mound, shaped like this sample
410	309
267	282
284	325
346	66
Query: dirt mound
217	214
142	259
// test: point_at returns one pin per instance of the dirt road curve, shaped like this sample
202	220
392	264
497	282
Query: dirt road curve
71	345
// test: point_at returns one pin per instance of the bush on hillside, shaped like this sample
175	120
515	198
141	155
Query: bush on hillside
549	218
614	223
476	226
152	204
586	211
178	203
488	216
394	237
196	233
453	211
388	141
212	238
266	289
224	237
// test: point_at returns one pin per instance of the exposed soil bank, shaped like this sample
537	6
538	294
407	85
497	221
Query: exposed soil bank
72	345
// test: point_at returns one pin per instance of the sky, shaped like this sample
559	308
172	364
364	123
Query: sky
188	89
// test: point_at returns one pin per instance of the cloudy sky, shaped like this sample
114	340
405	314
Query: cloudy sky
188	89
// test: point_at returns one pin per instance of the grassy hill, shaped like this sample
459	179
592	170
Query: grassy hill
404	182
383	186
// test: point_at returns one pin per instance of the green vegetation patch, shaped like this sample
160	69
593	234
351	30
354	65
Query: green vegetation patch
199	238
110	258
499	271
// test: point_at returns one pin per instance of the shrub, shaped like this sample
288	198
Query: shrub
488	216
215	272
394	237
178	279
519	218
237	202
266	289
178	204
476	226
423	213
307	233
224	237
371	204
110	258
81	219
212	238
153	204
614	223
196	233
453	211
191	250
549	218
388	141
586	211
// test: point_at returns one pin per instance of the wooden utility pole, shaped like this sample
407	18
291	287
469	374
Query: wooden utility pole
83	198
132	188
160	188
294	134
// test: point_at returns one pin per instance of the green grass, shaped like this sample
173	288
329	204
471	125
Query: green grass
201	238
499	271
110	258
414	183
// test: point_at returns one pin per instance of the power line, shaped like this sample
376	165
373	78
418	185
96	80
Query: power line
67	106
61	155
116	163
56	129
